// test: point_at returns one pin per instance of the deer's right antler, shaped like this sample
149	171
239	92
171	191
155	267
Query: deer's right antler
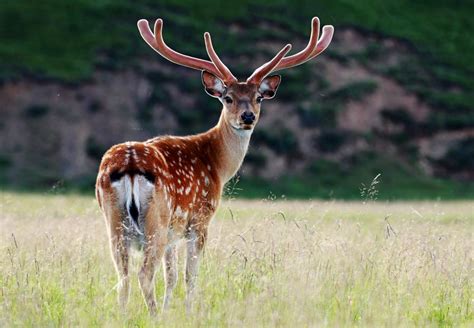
215	66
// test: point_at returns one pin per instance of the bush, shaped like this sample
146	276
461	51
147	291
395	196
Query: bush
36	111
319	114
354	91
94	149
95	106
330	141
460	157
254	157
280	139
399	116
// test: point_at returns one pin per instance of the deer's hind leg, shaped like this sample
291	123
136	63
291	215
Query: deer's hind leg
156	231
170	266
119	246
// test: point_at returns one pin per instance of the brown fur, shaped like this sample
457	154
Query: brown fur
188	175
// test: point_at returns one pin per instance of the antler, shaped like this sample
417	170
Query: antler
312	49
215	66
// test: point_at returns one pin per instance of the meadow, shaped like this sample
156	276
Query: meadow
268	263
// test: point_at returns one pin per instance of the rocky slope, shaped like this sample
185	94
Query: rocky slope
349	101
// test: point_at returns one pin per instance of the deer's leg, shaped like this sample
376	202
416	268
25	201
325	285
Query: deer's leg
194	244
170	265
119	247
156	230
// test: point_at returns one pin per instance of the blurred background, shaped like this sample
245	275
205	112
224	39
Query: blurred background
393	94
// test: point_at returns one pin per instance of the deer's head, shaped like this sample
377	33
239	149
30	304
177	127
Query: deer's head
241	100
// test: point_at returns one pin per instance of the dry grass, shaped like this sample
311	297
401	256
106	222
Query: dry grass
267	263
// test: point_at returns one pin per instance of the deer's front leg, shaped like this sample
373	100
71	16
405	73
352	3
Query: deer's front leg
156	231
195	242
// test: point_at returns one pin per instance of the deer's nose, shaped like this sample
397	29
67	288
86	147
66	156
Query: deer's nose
247	117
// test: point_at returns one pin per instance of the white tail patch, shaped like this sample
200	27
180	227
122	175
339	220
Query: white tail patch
134	195
142	191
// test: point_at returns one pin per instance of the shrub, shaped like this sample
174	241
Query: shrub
36	111
399	116
354	91
95	106
256	158
319	114
330	141
94	149
281	140
460	157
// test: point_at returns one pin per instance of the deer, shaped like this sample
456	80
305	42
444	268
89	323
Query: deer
159	192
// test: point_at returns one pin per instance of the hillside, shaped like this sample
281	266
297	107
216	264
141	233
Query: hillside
392	95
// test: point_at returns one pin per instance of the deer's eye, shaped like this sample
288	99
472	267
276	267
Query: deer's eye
259	99
228	100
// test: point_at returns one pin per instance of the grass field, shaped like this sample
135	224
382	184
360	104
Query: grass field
267	263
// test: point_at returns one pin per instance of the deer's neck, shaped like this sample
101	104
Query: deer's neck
230	146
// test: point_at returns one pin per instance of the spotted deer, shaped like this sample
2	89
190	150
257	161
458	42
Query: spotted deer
168	188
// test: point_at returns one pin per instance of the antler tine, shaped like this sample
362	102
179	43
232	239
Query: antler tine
259	74
324	41
320	46
304	54
228	76
312	49
158	44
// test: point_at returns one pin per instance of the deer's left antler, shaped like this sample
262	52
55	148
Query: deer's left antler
312	49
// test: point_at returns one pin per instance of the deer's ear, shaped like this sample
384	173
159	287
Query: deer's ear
213	85
269	86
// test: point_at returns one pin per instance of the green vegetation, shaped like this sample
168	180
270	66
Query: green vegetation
68	40
36	111
354	91
446	89
461	155
267	264
62	39
94	149
280	139
330	140
333	180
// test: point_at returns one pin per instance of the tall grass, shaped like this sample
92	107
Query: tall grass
267	263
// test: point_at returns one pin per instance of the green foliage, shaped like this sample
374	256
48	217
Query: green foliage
65	45
460	157
294	85
441	120
5	163
330	140
334	180
399	116
402	119
448	92
67	40
94	149
320	113
255	158
95	106
373	51
354	91
36	111
281	140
